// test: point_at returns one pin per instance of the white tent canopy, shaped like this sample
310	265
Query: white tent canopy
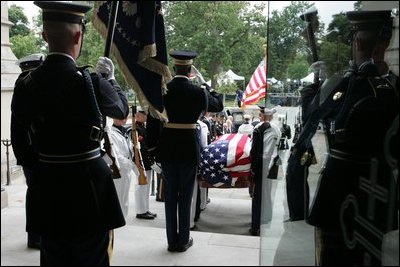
234	76
227	78
272	80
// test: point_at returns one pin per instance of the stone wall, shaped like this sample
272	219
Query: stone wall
9	74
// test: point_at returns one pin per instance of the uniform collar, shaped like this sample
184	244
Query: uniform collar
366	62
182	76
120	128
61	54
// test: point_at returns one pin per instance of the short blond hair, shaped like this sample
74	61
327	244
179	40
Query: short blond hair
60	33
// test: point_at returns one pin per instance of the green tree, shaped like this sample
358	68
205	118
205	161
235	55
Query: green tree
93	48
339	29
37	30
227	34
23	40
23	45
336	46
285	38
336	56
298	68
17	17
32	42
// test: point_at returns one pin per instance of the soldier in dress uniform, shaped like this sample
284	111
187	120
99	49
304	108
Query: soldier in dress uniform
355	203
265	140
142	192
199	193
27	64
74	203
246	127
121	146
184	104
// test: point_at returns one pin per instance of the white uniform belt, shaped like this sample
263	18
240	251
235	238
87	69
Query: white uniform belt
70	158
180	125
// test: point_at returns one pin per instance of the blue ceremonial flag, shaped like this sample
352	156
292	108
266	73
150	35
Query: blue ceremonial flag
140	49
226	159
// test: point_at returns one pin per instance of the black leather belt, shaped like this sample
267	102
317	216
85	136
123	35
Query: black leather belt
71	158
352	158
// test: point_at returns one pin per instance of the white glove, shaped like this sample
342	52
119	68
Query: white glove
156	167
320	67
105	67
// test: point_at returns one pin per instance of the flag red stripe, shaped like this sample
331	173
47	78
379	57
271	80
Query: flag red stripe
261	73
256	87
240	147
255	97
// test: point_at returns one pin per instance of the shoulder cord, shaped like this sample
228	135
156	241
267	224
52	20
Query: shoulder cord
312	124
92	96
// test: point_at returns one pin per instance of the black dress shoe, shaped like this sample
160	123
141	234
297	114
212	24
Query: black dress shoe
151	214
144	216
192	228
172	248
183	248
35	245
254	232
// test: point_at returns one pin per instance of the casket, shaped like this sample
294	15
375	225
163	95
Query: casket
225	163
242	182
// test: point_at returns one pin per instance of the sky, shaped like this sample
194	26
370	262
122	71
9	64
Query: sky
325	8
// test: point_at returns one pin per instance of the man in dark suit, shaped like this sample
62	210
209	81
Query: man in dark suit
184	104
74	203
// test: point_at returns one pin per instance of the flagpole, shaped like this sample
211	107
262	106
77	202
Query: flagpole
111	27
265	46
266	59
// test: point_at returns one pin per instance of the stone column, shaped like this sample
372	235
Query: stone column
9	74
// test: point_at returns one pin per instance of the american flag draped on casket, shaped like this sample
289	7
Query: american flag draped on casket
226	160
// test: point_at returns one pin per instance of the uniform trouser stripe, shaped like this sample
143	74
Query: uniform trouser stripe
318	246
110	245
160	189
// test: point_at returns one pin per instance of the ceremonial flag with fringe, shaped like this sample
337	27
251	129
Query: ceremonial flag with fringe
140	49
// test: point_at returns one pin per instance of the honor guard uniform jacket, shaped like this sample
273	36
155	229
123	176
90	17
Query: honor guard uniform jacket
184	103
72	188
24	148
357	192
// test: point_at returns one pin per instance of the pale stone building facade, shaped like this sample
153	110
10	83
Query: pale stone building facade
9	73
